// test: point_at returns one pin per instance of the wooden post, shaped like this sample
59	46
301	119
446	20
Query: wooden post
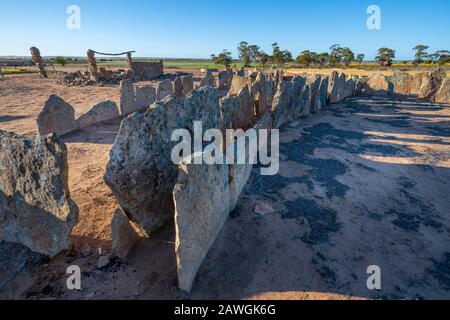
37	60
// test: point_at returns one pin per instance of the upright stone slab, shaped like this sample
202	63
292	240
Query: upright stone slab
208	80
225	79
443	94
402	83
140	171
127	97
238	83
262	94
314	87
165	89
246	113
202	202
124	237
334	88
323	91
57	116
188	85
178	87
432	83
145	97
103	111
280	108
35	205
299	98
377	85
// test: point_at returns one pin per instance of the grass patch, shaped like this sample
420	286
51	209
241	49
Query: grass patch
7	71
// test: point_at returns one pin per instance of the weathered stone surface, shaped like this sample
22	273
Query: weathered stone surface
245	117
35	205
443	95
334	88
164	89
431	83
178	87
280	107
202	202
277	78
225	79
314	82
127	97
262	93
103	111
238	83
188	85
323	91
208	80
229	106
349	88
124	237
361	83
402	83
140	171
377	85
57	116
300	98
145	97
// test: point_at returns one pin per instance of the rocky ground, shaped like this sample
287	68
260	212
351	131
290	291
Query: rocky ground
362	183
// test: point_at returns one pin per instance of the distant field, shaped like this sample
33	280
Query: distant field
17	71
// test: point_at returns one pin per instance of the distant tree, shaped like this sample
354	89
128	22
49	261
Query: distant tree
347	56
441	57
224	59
59	60
280	57
421	53
322	58
360	58
244	53
335	55
306	58
385	56
262	58
253	52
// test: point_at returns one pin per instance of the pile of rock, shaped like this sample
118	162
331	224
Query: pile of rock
103	77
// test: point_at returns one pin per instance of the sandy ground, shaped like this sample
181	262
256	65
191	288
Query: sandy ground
363	183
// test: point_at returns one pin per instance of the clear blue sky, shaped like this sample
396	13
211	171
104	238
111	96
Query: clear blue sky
197	28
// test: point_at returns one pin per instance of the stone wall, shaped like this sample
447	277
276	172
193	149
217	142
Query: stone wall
147	70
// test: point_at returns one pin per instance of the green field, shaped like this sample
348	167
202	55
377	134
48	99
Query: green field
17	71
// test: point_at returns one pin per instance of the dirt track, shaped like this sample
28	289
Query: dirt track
360	184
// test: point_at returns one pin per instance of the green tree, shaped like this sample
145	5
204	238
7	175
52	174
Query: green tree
335	55
421	53
322	58
347	56
385	56
223	59
244	53
306	58
59	60
360	58
441	57
262	58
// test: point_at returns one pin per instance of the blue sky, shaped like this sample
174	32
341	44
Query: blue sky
197	28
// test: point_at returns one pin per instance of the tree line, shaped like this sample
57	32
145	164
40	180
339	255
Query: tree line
252	55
